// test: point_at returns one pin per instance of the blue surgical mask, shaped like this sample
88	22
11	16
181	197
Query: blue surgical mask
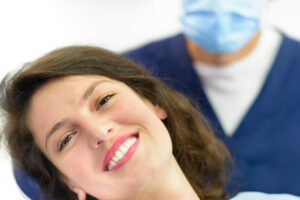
222	26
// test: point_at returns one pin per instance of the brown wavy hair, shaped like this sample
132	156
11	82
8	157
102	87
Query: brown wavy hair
203	158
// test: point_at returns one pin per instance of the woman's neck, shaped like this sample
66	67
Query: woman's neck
169	184
201	55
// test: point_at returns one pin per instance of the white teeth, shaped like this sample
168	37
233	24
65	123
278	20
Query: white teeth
111	164
114	158
123	148
132	140
121	152
126	144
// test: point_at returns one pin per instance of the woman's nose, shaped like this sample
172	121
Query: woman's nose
98	131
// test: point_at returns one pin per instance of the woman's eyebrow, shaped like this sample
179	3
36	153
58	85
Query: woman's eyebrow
54	128
88	92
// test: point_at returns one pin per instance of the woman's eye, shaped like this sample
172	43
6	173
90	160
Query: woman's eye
104	100
65	141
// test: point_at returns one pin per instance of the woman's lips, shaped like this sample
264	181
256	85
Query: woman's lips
121	151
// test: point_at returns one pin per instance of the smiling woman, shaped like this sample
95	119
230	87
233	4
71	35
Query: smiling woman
87	122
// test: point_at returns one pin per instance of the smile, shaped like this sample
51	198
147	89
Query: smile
120	152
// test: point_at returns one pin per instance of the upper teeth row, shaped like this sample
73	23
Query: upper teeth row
118	155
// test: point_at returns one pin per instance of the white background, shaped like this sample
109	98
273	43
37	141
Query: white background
30	28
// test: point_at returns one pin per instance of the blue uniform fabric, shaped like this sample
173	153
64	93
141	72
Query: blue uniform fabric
27	183
264	196
265	146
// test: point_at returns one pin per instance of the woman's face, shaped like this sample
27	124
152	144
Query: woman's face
105	139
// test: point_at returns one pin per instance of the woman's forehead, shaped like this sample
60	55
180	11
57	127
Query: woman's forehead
80	78
73	83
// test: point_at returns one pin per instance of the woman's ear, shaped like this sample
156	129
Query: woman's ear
160	113
81	195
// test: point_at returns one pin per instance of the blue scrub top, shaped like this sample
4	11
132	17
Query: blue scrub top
264	196
265	146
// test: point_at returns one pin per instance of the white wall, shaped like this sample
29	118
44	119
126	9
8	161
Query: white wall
32	27
29	28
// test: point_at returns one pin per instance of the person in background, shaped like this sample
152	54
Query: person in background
245	77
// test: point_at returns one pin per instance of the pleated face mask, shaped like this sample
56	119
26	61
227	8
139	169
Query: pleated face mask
222	26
